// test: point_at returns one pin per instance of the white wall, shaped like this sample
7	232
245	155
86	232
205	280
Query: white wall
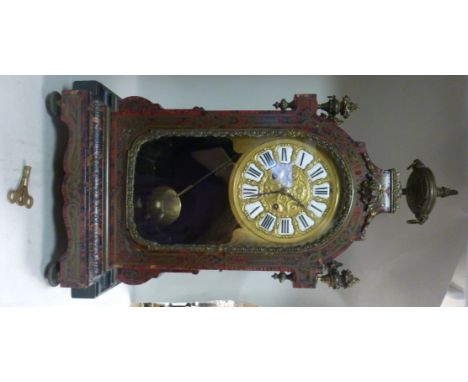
456	295
400	119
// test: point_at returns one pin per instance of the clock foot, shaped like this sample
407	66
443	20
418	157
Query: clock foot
53	104
52	273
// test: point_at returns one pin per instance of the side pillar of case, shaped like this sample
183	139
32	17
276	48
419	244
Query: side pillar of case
86	111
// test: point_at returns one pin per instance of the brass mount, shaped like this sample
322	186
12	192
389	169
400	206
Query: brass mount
335	279
335	107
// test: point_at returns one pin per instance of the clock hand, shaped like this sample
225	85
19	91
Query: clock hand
282	192
293	198
267	193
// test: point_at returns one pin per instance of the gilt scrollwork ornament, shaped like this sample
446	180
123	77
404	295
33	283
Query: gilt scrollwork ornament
370	166
371	194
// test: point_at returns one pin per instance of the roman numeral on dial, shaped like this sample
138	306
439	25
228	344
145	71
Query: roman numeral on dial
284	153
267	160
317	208
285	226
253	209
304	221
249	191
253	173
317	172
322	190
303	159
268	222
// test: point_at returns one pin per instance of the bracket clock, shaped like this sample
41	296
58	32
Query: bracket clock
149	190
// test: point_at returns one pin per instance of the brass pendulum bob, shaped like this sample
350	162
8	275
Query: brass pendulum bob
164	204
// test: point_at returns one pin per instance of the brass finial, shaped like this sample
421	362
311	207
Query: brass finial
421	192
282	276
283	105
443	192
347	107
333	107
336	279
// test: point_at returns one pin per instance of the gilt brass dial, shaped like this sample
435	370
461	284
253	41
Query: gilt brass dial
284	191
